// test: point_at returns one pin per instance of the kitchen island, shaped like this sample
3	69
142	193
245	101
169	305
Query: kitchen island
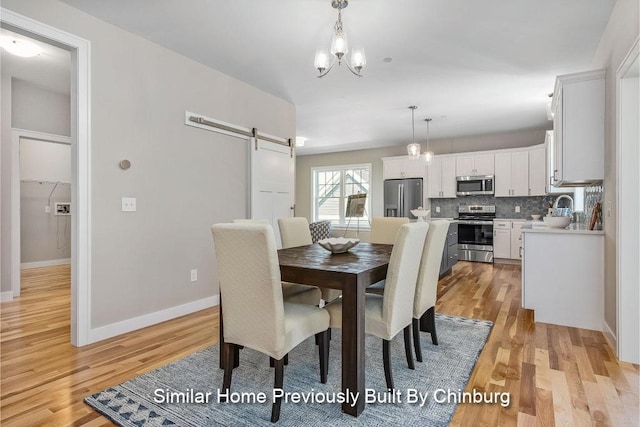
563	275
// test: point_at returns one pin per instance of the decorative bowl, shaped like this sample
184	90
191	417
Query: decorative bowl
557	221
535	217
422	214
338	245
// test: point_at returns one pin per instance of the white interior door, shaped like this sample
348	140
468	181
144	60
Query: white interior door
272	183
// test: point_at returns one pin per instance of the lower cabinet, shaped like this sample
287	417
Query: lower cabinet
450	252
507	239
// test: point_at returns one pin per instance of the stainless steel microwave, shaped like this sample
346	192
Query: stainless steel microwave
474	185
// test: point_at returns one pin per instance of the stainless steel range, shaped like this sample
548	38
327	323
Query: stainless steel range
475	233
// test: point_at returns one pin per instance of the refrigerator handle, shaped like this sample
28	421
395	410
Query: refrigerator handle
399	210
402	200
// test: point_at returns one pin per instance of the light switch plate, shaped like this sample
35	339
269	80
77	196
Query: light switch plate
128	204
194	275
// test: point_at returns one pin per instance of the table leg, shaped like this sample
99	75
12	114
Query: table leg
353	345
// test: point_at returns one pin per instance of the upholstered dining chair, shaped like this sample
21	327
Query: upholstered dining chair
254	312
427	285
295	232
384	229
390	313
291	292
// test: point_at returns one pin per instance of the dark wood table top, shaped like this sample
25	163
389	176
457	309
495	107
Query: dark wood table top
362	257
314	265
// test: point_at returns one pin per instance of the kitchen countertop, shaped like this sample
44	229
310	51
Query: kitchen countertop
534	227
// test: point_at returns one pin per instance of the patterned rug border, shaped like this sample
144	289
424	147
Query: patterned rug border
145	412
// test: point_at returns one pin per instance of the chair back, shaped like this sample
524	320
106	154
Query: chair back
250	285
294	232
384	229
427	285
320	230
402	275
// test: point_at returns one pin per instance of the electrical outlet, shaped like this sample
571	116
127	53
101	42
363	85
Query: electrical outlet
47	209
517	209
128	204
437	209
194	275
609	209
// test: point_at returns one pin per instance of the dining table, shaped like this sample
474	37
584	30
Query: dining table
351	272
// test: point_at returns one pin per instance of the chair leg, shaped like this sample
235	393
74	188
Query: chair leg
272	360
416	339
278	382
431	321
386	360
407	347
228	352
323	350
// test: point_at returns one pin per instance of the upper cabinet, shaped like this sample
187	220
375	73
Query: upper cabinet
578	129
441	181
512	174
402	167
549	149
537	171
475	164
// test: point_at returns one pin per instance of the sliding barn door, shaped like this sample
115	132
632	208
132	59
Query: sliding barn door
272	183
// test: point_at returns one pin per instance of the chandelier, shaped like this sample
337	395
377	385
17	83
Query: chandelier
339	48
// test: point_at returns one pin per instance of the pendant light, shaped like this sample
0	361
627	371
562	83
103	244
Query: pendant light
428	155
413	149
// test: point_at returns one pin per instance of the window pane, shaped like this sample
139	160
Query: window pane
331	190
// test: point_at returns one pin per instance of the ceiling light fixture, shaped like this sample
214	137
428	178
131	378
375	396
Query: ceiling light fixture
18	47
339	48
413	149
428	155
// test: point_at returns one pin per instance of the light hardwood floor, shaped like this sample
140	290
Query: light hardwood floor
556	375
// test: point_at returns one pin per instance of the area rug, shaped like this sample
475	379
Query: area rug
426	396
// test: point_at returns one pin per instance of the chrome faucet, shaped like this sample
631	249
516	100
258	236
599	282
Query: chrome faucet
564	196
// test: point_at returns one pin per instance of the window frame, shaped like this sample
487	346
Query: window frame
362	224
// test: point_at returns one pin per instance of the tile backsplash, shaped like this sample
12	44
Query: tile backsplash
505	206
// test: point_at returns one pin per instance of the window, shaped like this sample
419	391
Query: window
333	185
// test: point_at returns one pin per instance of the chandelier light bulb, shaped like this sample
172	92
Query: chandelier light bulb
339	46
321	61
358	58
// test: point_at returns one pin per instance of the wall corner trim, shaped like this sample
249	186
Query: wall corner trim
610	336
128	325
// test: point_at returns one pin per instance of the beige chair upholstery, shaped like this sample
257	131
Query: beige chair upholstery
427	286
296	232
392	312
384	229
254	312
291	292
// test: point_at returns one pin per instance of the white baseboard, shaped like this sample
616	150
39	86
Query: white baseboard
6	296
118	328
610	336
48	263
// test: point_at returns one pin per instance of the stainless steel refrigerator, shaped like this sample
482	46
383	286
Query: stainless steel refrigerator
402	195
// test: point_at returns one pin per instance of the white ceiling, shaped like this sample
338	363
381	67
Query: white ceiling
476	67
50	69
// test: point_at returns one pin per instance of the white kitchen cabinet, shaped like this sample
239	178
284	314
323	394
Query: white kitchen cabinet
512	174
516	239
501	239
441	181
402	167
549	148
537	171
474	164
563	276
578	128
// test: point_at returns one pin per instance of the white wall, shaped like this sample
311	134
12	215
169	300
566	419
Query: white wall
44	236
620	33
184	179
38	109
